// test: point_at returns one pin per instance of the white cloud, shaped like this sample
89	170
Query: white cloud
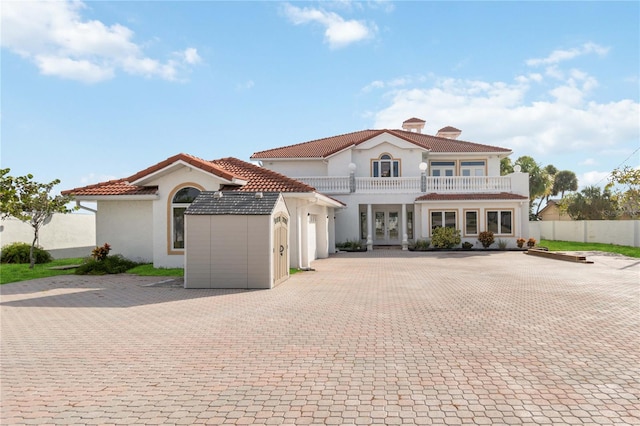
246	85
560	55
534	114
588	162
593	178
338	31
60	42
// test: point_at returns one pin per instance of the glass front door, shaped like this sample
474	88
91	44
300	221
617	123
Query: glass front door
386	227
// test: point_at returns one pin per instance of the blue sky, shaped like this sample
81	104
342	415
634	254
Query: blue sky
93	91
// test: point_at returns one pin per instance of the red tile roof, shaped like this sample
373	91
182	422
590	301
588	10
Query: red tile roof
470	197
414	120
449	129
258	178
323	148
112	187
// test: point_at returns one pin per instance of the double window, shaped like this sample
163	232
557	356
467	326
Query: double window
472	168
445	219
385	166
500	222
179	204
443	168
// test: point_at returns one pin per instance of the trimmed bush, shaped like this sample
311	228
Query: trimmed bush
467	245
115	264
445	237
19	253
486	238
420	245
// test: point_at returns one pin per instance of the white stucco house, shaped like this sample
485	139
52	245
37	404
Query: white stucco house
142	216
398	185
382	187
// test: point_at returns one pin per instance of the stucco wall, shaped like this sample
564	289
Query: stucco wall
621	232
127	227
64	231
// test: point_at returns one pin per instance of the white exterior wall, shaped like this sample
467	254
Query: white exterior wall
297	167
127	227
163	255
410	156
308	242
63	231
621	232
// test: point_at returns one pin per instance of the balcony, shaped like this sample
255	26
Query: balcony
409	185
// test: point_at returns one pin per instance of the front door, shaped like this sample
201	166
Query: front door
386	227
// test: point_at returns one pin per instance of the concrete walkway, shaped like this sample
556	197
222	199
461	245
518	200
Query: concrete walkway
387	337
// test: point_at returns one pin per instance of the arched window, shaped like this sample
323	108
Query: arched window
179	204
385	166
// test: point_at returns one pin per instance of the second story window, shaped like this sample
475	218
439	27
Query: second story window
385	166
443	168
472	168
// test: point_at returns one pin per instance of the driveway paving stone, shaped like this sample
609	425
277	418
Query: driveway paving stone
385	337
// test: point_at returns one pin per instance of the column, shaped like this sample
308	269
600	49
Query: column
405	237
369	227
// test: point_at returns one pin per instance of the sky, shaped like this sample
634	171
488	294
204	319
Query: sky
93	91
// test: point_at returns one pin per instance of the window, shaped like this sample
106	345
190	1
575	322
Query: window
500	221
472	168
442	168
385	166
443	219
179	204
471	222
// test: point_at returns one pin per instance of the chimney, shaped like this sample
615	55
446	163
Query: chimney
449	132
413	125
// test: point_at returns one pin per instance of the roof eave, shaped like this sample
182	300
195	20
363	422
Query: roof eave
135	197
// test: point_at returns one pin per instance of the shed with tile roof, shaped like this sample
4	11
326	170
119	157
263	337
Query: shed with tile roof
236	239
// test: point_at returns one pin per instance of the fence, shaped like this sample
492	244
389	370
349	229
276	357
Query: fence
66	235
621	232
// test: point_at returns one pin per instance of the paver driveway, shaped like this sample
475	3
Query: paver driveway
384	337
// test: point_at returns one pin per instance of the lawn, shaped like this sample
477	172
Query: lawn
10	273
573	246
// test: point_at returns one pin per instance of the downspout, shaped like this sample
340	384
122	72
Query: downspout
80	206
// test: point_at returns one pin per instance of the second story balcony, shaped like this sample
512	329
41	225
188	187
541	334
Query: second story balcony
409	185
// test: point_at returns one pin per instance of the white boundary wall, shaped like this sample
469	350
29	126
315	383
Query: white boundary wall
621	232
62	234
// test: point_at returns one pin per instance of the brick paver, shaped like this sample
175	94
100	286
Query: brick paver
387	337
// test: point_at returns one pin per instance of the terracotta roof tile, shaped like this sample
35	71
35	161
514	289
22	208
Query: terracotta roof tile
112	187
322	148
189	159
414	120
449	129
470	197
259	178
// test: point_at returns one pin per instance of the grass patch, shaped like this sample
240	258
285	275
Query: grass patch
147	270
14	272
11	273
573	246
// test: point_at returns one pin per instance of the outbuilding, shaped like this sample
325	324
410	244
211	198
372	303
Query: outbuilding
236	239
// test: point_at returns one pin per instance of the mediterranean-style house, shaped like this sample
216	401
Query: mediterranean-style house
381	187
142	216
398	185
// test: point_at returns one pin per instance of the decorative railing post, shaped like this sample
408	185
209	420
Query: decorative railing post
423	177
352	177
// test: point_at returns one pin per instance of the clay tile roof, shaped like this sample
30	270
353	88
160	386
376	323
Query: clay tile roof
112	187
259	178
414	120
449	129
323	148
470	197
205	165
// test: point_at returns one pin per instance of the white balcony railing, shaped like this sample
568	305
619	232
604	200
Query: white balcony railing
440	184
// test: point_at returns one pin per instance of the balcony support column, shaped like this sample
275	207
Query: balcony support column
369	228
405	237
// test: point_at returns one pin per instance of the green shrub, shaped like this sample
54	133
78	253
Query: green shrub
420	245
445	237
115	264
351	245
467	245
486	238
502	244
19	253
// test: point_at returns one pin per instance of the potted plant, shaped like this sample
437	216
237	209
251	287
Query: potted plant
520	242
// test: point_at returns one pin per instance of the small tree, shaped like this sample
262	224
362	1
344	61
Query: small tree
30	202
629	198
